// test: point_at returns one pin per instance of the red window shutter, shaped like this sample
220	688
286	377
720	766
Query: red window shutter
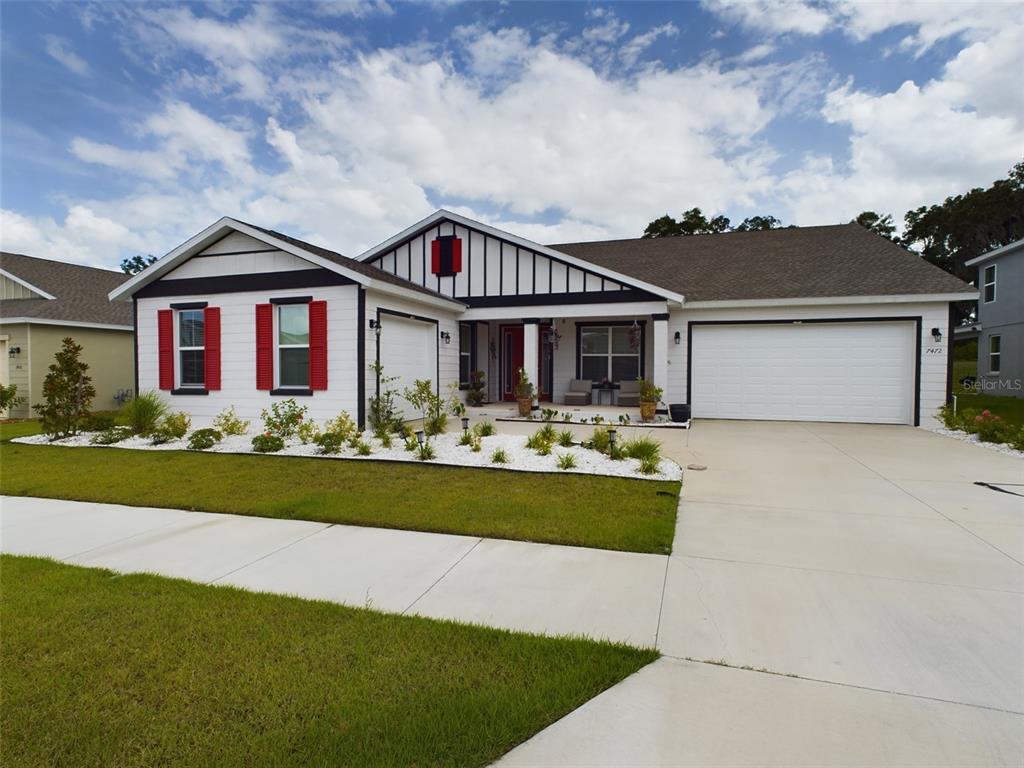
165	346
264	346
211	321
435	256
318	345
456	255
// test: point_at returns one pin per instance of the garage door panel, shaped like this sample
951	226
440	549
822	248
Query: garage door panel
806	372
408	351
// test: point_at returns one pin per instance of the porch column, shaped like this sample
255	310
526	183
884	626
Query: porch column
659	340
531	354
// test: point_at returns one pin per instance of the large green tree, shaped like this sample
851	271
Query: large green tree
136	264
694	222
964	226
880	224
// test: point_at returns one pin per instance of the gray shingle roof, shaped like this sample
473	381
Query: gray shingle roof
370	271
797	262
80	292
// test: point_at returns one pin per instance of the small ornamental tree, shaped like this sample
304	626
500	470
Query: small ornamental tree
68	392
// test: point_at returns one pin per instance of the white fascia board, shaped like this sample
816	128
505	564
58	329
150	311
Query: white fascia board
69	323
26	284
1003	249
501	234
610	309
912	298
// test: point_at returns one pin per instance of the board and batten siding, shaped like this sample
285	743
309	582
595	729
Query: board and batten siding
491	267
238	355
238	254
933	354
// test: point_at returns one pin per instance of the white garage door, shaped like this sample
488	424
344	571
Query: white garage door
408	350
856	372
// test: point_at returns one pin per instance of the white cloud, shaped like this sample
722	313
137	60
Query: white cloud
774	17
139	162
634	48
57	48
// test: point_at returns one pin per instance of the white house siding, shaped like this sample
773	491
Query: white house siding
448	354
933	354
247	256
238	354
490	267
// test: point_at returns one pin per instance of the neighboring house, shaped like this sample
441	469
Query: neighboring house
1001	320
42	302
819	323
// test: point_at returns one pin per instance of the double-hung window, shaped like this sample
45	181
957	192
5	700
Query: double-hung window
293	345
610	352
995	345
192	347
989	283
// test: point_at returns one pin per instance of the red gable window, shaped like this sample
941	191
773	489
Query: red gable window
446	256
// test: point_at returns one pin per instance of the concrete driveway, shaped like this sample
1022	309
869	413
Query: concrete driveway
866	596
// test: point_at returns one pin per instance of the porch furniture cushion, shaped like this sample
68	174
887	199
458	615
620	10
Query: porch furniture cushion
629	393
579	392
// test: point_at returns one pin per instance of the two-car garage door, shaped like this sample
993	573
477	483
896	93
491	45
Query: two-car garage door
810	371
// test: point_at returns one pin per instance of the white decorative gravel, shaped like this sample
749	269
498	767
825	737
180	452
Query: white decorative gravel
966	437
446	448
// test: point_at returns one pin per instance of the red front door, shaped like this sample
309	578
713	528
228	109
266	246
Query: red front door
511	359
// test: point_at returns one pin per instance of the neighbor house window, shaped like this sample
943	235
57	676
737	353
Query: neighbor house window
293	345
995	344
465	353
192	347
989	283
610	352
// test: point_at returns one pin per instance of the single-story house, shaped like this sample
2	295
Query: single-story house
44	301
825	323
1001	320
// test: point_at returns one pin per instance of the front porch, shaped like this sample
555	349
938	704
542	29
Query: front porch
574	414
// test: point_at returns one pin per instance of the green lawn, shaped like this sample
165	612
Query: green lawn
1011	409
101	669
19	428
583	510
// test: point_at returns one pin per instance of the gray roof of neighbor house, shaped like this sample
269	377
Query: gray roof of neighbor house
374	273
80	293
796	262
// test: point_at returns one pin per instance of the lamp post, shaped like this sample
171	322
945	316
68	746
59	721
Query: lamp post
465	423
419	437
612	433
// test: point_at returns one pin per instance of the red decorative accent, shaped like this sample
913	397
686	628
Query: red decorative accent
165	346
435	257
318	345
211	323
446	256
456	255
265	346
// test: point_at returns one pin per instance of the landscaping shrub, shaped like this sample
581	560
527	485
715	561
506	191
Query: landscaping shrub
67	392
565	438
548	414
308	432
466	438
599	440
425	452
423	398
385	440
329	442
642	448
484	429
411	444
228	423
363	449
174	427
111	436
9	397
202	439
343	426
267	443
143	413
567	461
383	415
499	457
477	444
991	428
966	420
475	395
1017	439
649	465
283	418
540	441
97	422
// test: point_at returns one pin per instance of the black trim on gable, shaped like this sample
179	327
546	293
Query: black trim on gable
540	299
236	253
260	281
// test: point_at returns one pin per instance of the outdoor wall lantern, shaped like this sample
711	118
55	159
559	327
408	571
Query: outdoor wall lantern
419	437
14	351
612	433
465	423
375	325
937	334
678	338
446	337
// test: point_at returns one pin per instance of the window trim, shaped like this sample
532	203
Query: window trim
279	305
997	354
986	283
609	324
179	310
471	352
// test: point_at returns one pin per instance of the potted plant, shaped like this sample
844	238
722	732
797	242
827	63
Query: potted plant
650	396
524	393
476	395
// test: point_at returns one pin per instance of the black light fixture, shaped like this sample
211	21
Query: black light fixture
419	437
678	338
446	337
612	433
14	351
465	423
375	326
937	333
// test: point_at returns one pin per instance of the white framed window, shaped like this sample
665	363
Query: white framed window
995	345
465	354
988	284
191	348
610	352
293	346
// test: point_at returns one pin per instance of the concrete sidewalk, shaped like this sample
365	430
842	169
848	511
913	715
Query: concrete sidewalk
508	584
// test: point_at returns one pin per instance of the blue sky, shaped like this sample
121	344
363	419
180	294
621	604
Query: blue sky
127	128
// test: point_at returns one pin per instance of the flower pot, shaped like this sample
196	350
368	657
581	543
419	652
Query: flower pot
525	406
647	409
679	412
